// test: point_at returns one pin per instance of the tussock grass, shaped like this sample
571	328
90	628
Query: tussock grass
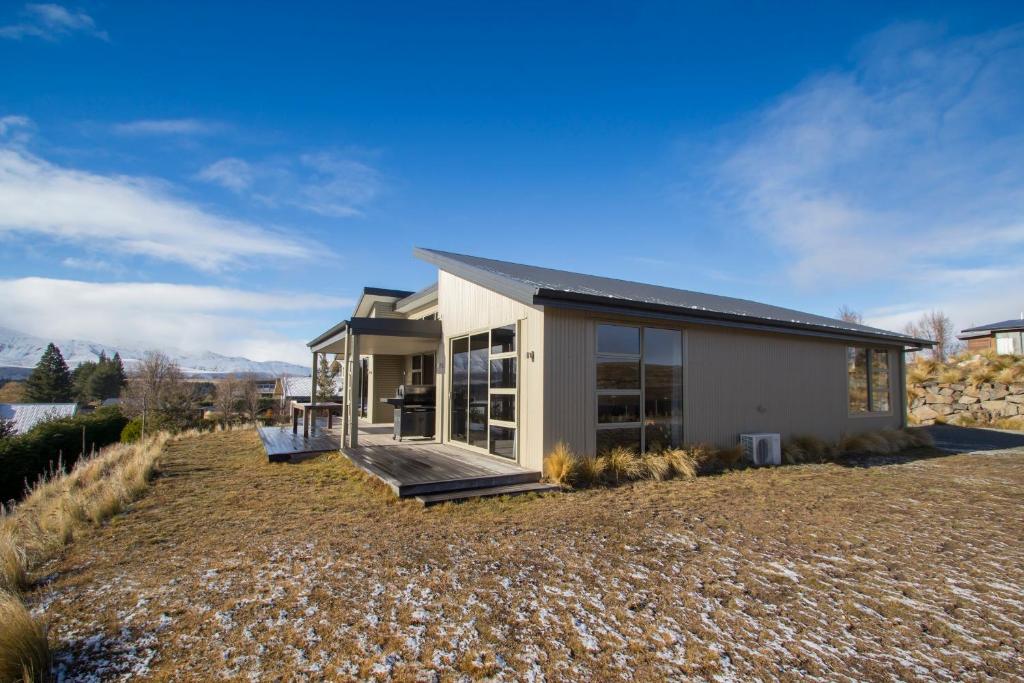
951	375
590	471
974	369
57	508
623	465
561	466
659	466
24	652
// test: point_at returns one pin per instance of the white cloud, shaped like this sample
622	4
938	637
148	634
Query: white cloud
229	321
127	214
51	22
905	169
234	174
324	183
186	126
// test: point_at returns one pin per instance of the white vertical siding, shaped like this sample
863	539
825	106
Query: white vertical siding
465	308
734	382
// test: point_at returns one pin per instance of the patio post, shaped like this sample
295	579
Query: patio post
312	392
354	393
346	390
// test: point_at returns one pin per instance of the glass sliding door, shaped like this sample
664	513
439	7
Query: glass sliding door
484	391
478	346
460	390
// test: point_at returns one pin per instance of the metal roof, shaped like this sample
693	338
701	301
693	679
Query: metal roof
27	415
1004	326
549	287
388	327
303	386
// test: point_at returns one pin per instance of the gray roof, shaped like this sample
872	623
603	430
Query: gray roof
1005	325
548	287
27	415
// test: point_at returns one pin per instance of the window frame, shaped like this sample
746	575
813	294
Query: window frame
870	382
640	392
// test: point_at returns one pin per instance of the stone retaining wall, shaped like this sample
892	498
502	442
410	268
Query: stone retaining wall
931	401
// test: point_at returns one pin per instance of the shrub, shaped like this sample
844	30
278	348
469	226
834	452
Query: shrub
24	653
561	465
683	463
51	445
590	471
622	465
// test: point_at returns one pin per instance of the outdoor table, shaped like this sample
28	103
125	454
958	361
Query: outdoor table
308	410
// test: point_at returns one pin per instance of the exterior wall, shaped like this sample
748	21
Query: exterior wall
978	344
385	376
733	382
464	308
384	309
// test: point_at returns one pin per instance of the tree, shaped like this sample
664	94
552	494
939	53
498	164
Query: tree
50	381
326	377
938	327
158	388
226	397
847	314
6	428
250	397
98	380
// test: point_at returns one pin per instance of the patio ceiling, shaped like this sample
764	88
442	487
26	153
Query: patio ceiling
385	336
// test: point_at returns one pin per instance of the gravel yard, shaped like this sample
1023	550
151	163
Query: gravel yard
233	567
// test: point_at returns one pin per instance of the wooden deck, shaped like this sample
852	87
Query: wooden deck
282	445
431	472
418	467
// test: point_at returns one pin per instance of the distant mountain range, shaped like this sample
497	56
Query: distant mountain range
20	352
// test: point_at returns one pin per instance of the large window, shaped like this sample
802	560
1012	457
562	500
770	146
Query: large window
639	380
867	380
483	392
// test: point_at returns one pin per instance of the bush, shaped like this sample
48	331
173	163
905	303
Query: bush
54	445
561	465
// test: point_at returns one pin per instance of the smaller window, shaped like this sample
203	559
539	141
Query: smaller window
879	381
503	373
867	380
503	339
618	339
612	408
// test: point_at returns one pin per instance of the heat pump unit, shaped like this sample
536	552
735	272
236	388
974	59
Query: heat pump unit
762	449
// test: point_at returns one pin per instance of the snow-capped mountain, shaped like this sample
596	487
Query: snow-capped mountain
19	350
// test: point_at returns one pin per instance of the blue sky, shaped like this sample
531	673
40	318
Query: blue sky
194	176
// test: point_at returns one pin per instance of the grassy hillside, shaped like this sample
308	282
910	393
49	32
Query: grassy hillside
234	567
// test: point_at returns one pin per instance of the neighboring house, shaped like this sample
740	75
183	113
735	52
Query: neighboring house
525	357
288	389
27	415
1003	337
266	387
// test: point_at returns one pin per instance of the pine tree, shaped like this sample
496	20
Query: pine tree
326	377
50	381
81	381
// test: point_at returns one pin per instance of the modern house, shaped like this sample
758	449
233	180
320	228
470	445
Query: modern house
1002	337
25	416
522	357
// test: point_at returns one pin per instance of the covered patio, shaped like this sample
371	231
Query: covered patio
351	339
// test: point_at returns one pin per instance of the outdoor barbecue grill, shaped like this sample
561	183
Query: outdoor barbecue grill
415	408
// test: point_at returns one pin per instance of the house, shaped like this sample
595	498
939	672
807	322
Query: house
288	389
1002	337
265	387
524	357
25	416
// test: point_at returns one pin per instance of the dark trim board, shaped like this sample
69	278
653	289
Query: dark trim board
282	445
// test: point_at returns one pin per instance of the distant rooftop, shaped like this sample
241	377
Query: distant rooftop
27	415
983	330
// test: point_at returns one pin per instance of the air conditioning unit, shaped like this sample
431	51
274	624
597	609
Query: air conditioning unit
762	449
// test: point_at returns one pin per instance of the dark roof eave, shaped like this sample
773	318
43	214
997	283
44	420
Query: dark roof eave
337	329
560	299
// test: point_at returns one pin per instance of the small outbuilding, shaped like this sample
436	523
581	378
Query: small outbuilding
1002	337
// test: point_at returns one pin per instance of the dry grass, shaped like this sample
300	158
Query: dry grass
561	465
232	567
974	369
622	465
590	471
39	527
24	651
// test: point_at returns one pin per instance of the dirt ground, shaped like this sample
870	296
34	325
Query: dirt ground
232	567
